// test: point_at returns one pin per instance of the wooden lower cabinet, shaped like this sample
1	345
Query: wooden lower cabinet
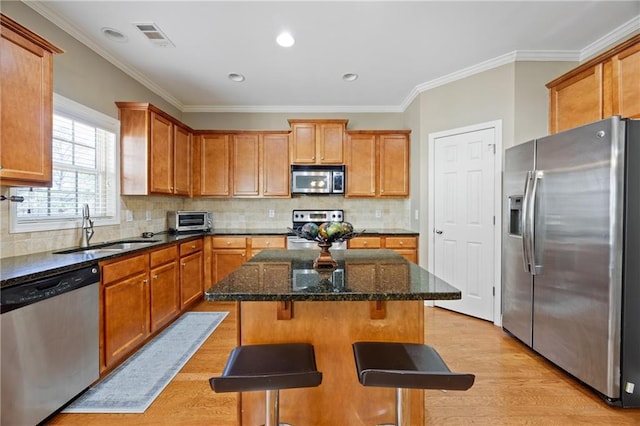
229	252
125	314
406	246
142	294
191	272
165	287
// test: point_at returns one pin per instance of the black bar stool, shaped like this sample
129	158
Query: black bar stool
405	366
269	367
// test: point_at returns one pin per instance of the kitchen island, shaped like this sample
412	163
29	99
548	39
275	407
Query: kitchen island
371	295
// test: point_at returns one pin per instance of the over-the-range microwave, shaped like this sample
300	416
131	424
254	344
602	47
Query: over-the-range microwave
189	221
317	179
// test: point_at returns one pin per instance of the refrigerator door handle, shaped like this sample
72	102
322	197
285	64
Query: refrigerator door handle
533	262
524	224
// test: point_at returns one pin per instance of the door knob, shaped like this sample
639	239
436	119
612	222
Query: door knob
438	231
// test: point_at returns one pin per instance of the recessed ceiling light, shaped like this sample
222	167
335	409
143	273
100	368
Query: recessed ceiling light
350	76
236	77
285	39
113	34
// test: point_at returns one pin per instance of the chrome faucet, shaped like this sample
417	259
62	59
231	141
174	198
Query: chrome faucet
87	227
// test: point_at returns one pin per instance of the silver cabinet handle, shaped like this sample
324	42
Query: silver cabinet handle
438	231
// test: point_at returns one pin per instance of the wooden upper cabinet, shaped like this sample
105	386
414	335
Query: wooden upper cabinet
577	100
182	148
606	85
246	165
211	165
317	141
625	75
377	164
155	151
259	164
161	155
26	88
275	165
361	165
394	165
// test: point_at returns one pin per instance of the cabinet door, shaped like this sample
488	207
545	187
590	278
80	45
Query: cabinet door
181	161
212	166
246	158
361	165
161	155
626	82
226	261
577	101
394	165
191	278
126	316
165	294
26	85
330	143
303	143
275	165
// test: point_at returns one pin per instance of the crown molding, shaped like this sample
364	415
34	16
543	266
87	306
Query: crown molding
41	8
613	37
292	108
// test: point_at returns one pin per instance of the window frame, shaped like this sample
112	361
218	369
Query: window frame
79	112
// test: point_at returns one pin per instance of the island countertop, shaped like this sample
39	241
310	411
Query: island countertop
361	275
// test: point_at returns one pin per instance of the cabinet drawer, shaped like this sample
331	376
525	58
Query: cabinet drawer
163	255
365	243
268	242
401	242
190	247
120	269
229	242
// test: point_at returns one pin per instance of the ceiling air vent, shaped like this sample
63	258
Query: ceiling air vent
154	34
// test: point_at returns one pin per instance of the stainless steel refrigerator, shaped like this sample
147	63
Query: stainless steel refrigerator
571	253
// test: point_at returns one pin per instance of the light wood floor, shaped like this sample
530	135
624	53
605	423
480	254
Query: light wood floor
514	386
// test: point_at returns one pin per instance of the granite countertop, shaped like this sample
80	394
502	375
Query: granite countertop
20	269
279	275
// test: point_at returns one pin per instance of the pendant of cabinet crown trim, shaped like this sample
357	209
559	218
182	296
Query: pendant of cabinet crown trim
377	164
606	85
26	85
155	155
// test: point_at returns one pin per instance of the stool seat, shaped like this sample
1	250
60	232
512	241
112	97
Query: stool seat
406	365
269	367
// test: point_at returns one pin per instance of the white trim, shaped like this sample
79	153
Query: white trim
79	112
497	127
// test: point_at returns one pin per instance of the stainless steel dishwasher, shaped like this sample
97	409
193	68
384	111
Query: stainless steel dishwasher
50	347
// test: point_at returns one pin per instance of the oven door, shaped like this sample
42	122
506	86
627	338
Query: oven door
297	243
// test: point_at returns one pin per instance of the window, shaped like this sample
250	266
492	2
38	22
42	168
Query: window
85	165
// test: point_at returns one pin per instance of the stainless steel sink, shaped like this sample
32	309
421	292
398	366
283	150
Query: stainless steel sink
112	247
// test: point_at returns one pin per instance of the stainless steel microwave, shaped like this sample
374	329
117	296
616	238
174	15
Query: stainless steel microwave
189	221
318	179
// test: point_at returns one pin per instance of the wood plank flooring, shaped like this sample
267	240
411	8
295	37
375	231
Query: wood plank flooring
514	386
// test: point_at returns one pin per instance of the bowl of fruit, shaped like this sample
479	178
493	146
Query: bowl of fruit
325	234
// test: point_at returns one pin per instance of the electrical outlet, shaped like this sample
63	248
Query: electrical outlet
148	215
378	213
129	215
416	215
272	213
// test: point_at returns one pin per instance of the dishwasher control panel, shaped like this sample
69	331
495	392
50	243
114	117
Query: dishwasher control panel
34	291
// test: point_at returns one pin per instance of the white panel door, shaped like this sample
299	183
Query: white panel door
464	219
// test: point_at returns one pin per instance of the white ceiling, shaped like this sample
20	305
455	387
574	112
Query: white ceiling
397	48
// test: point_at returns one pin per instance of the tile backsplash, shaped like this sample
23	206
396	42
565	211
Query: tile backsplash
149	214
